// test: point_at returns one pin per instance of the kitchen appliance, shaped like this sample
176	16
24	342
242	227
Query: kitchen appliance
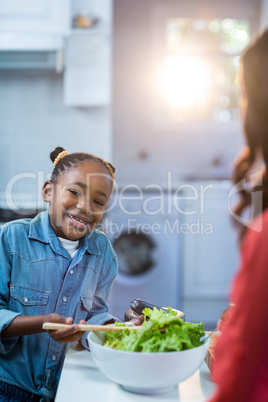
148	250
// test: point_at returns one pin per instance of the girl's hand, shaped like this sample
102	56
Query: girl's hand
66	335
139	320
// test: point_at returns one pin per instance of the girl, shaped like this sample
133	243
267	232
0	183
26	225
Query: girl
57	268
241	354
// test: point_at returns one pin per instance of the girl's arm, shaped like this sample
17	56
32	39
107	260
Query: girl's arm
28	325
24	325
12	324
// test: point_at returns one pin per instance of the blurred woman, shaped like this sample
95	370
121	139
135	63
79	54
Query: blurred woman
240	369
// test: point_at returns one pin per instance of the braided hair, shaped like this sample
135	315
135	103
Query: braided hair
70	161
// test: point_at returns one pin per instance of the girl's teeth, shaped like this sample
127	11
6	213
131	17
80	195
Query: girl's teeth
78	220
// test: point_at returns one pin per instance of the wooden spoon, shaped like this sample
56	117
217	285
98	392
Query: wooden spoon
112	328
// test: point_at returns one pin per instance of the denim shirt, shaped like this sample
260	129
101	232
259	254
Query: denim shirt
38	276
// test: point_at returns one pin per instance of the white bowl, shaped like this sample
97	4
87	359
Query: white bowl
146	373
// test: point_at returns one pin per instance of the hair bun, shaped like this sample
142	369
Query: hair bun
55	153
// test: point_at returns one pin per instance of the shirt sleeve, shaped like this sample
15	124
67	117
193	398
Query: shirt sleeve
6	315
241	352
99	313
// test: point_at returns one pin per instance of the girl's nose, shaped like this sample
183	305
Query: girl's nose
84	206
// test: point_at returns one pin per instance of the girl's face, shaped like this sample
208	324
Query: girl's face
78	200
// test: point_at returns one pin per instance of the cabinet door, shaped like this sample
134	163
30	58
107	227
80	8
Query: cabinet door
87	78
210	255
34	15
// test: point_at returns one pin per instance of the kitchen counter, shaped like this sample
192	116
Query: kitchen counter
82	381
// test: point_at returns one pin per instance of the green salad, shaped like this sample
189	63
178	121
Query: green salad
161	333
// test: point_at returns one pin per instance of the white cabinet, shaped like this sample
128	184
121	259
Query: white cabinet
46	26
88	58
210	256
87	76
34	15
33	24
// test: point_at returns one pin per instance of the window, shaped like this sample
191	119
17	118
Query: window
198	77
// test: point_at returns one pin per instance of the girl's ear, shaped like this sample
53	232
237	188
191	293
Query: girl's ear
47	191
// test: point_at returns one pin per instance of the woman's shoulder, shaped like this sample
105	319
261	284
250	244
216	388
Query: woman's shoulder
257	234
260	223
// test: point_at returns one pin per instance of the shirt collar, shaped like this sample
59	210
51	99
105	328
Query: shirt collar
90	243
41	230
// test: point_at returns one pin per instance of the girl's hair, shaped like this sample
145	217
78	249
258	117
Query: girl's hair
70	161
254	81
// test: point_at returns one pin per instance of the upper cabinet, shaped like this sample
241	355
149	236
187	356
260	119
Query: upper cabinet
70	36
87	75
34	15
88	55
33	24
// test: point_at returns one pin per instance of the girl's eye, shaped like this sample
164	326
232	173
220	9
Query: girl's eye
101	203
74	192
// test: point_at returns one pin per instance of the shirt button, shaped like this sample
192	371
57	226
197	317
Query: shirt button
53	357
25	299
71	271
64	299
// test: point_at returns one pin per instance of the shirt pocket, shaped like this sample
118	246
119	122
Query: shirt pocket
84	308
28	301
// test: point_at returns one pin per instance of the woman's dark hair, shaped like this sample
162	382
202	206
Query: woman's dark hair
70	161
254	81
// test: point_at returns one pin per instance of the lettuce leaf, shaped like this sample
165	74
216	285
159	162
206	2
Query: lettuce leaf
162	332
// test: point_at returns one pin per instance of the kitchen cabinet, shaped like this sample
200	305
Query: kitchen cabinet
34	15
87	76
88	55
210	250
47	28
33	24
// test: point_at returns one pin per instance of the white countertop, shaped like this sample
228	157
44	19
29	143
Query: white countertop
82	381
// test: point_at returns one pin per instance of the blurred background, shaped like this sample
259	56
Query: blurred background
152	87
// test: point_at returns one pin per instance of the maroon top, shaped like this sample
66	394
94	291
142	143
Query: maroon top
240	368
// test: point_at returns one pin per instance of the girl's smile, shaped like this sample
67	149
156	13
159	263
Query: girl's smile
77	220
77	201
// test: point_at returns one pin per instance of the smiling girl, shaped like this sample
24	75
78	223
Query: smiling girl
58	268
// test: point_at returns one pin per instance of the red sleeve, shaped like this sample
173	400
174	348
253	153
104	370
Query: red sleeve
240	368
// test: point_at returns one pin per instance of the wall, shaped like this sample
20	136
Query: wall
150	150
34	120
